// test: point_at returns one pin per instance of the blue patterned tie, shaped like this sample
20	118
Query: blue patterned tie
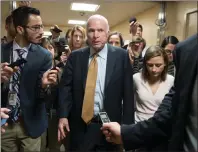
16	84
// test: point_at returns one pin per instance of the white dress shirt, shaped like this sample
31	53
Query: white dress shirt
147	102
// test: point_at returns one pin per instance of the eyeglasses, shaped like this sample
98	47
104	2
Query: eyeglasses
35	28
168	51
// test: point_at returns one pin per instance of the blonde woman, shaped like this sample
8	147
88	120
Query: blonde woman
77	39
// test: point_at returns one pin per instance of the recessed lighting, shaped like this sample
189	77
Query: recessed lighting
84	7
78	22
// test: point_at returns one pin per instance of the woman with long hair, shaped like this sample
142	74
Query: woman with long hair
169	44
77	39
152	83
115	39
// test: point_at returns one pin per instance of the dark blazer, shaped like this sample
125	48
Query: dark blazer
118	87
39	60
170	119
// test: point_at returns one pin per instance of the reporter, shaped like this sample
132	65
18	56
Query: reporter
29	83
176	118
77	39
50	136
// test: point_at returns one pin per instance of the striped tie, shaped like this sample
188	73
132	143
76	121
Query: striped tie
16	79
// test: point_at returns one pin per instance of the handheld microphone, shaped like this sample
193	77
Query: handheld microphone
132	19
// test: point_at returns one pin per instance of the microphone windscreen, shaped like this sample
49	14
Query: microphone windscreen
132	19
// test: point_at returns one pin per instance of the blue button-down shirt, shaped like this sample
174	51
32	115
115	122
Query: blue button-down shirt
100	82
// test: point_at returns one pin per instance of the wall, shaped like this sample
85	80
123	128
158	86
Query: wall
175	13
181	9
147	19
4	13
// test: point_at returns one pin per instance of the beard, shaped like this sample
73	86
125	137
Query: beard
26	36
30	39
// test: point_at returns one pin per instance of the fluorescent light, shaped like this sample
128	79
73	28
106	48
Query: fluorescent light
47	33
76	22
84	7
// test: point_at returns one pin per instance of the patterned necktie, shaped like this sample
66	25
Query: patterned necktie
88	103
16	79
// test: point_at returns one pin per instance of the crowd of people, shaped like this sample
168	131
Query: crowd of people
148	92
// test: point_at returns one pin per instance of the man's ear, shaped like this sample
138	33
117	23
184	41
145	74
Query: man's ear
6	27
20	30
108	32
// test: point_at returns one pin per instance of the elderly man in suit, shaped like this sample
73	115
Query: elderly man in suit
23	87
96	78
176	118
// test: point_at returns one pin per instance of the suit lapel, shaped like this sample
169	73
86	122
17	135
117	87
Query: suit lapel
84	64
31	57
111	60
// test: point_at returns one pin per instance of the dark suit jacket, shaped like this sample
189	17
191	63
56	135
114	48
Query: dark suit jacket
118	87
169	121
39	60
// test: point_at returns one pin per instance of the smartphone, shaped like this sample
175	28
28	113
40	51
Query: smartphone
59	65
4	120
104	117
17	63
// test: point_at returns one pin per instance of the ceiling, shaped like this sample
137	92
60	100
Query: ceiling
58	12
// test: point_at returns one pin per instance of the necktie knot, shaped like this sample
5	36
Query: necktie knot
20	52
95	55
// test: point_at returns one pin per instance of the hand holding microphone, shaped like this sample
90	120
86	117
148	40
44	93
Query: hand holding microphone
112	132
7	70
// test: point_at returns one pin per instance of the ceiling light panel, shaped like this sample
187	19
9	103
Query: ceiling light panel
84	7
77	22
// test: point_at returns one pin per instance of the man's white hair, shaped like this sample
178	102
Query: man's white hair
99	17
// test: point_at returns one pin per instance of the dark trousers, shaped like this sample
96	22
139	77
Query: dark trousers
92	140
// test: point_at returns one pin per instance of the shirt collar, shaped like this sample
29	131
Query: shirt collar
102	53
16	46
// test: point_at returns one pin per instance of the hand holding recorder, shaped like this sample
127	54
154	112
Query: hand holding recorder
112	132
7	70
50	77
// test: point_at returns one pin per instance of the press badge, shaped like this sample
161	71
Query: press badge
12	98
